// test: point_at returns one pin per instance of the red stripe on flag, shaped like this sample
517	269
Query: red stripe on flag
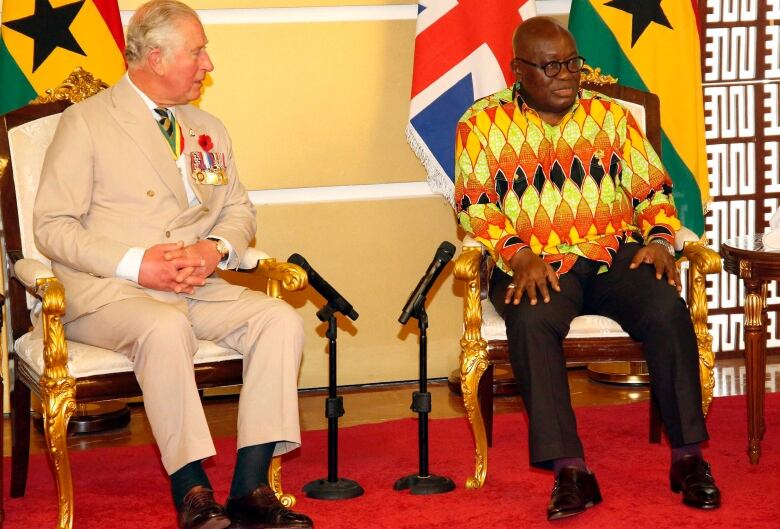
461	31
695	8
109	10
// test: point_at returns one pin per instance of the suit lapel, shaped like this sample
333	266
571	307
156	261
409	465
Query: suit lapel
134	117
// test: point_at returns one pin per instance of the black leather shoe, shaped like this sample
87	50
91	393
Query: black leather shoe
691	475
200	511
574	491
262	509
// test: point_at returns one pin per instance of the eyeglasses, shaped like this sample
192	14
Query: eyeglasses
553	68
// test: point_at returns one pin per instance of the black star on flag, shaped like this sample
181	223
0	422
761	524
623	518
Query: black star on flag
643	12
49	27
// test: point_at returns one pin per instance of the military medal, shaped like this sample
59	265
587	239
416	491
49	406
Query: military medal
208	168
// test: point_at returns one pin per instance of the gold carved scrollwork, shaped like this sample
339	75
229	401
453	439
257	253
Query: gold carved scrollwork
275	479
702	261
745	269
473	359
289	276
78	86
58	390
594	76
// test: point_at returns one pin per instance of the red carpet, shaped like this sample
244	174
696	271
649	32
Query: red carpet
125	488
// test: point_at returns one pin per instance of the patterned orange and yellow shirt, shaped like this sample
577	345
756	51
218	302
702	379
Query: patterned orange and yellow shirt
575	189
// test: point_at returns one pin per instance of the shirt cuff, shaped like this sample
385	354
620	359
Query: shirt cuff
130	265
511	246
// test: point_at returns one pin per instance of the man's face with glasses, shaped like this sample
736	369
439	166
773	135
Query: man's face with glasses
548	69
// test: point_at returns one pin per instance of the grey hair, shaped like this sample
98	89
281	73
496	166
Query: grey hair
153	26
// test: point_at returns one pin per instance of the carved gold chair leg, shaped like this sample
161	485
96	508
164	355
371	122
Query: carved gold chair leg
702	261
290	277
473	360
473	365
58	405
275	480
58	392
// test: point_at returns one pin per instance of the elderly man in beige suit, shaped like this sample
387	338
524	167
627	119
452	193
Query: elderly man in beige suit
139	203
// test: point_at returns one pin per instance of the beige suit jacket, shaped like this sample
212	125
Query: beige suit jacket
109	183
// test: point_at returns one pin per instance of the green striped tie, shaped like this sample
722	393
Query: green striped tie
167	125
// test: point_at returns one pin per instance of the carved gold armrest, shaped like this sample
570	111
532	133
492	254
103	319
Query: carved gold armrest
467	269
55	351
702	261
282	275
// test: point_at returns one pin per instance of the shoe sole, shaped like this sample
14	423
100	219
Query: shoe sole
677	489
219	522
559	516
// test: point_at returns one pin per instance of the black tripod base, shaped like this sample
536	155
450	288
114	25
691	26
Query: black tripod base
342	489
430	484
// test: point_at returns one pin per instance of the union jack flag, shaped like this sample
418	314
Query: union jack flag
462	53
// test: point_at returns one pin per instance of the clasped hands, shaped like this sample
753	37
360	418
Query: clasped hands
177	268
534	277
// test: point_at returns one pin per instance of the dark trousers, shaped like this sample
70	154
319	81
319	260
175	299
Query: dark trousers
648	309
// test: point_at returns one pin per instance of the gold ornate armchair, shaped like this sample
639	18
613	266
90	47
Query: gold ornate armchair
591	338
61	372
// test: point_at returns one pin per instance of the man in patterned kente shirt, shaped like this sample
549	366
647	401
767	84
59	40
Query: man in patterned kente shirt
564	190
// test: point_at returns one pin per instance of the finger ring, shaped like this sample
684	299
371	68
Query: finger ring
511	285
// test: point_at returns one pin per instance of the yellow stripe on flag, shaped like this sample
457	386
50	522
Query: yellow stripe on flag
669	63
103	59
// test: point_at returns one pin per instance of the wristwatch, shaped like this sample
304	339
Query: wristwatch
666	244
222	248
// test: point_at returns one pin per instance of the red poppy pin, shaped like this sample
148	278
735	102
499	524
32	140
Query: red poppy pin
204	140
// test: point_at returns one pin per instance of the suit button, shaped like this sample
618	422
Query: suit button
167	235
150	193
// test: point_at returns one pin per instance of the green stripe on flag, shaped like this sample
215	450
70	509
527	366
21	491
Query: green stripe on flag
687	195
16	91
597	43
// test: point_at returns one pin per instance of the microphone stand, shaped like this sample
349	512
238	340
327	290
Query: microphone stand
332	487
423	482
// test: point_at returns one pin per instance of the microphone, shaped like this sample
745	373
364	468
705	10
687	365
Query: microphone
443	256
334	299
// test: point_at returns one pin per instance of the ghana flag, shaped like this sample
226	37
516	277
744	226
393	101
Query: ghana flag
654	45
43	41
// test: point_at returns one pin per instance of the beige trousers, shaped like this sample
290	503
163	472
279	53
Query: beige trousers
161	339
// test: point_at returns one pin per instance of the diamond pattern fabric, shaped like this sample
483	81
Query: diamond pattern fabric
575	189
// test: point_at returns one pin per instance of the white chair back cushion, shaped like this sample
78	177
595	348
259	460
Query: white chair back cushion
28	144
586	326
87	360
638	111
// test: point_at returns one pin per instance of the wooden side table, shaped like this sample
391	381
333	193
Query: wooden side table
747	258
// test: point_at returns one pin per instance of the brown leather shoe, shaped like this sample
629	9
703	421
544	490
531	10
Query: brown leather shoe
200	511
262	509
691	475
574	491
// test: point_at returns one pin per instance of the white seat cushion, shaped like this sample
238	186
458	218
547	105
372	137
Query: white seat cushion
87	360
587	326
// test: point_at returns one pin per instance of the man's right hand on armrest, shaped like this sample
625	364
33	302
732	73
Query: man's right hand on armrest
169	268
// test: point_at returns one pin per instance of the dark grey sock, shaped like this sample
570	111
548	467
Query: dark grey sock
251	470
563	462
188	476
684	450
